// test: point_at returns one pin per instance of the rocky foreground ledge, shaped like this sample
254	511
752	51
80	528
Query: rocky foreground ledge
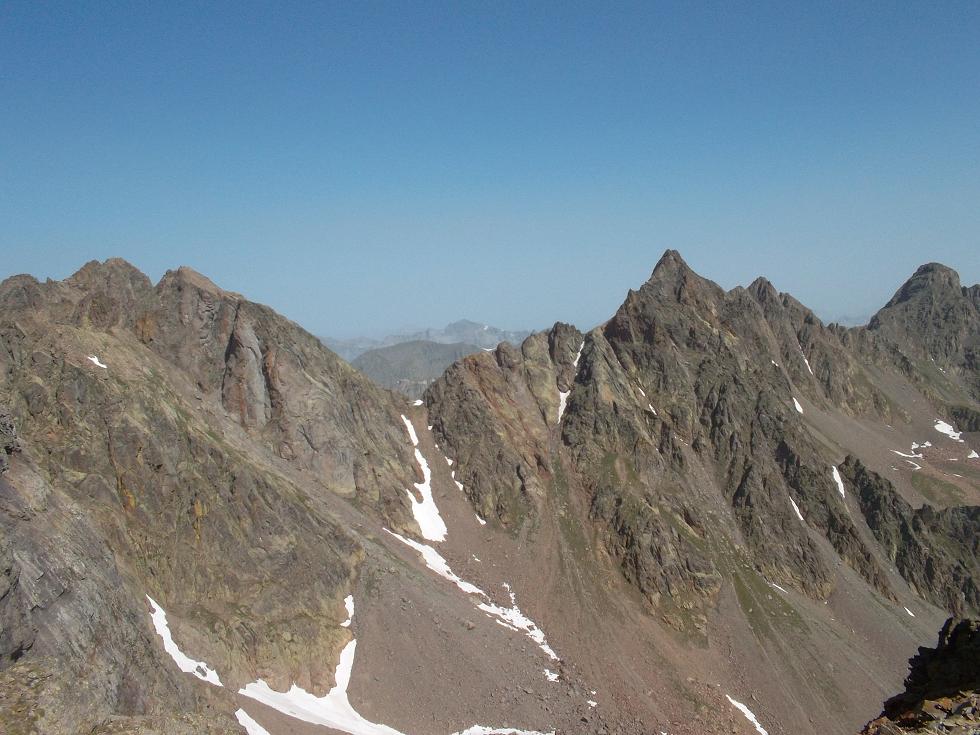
942	690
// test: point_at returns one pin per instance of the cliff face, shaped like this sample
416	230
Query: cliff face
183	443
936	551
683	436
708	480
942	690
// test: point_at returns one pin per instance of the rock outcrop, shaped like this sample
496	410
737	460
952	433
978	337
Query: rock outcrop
942	690
183	443
936	551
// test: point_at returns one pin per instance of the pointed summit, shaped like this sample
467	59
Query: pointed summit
933	316
670	263
113	274
934	278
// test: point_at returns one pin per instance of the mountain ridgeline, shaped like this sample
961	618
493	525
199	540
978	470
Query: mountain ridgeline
709	500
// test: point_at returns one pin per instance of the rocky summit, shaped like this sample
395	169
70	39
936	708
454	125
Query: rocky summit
711	513
942	690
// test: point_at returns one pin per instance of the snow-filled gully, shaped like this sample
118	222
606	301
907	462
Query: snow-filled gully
563	394
426	512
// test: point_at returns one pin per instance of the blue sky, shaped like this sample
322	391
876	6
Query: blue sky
366	166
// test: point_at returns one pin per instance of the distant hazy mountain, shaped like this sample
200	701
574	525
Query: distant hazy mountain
463	331
410	367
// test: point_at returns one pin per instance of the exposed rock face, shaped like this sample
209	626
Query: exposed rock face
510	400
932	318
196	467
8	438
936	551
680	434
942	690
670	474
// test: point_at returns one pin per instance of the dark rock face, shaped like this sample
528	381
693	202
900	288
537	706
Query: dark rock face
942	690
678	404
8	438
507	400
936	551
198	467
933	318
684	402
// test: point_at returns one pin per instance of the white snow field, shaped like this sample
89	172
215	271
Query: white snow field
510	617
562	402
943	428
184	662
349	604
838	481
426	512
250	725
331	710
748	715
796	509
797	405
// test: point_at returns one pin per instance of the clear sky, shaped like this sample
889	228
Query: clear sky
364	166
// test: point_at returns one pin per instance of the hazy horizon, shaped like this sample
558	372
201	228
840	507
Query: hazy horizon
361	167
410	327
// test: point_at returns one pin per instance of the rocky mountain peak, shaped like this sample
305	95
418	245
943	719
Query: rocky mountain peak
763	290
942	690
114	273
931	280
185	277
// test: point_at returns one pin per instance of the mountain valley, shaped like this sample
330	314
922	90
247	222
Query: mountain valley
712	513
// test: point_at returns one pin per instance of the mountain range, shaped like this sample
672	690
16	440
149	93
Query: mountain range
711	513
462	331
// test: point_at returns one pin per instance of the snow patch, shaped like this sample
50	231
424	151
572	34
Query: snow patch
417	402
973	454
774	363
426	512
943	428
776	586
185	663
914	465
797	405
796	509
97	362
550	675
651	409
434	561
807	362
562	401
911	614
578	354
908	456
838	481
748	715
591	703
478	519
331	710
250	725
510	617
349	604
514	617
484	730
